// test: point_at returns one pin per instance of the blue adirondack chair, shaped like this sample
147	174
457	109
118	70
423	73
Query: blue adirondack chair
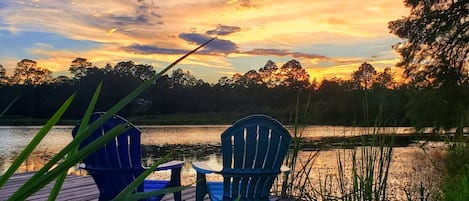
118	163
253	150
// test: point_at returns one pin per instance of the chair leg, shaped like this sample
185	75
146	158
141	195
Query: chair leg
200	187
177	196
176	182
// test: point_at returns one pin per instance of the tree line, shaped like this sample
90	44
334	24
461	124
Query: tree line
270	89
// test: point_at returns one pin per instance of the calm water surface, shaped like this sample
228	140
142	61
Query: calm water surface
410	165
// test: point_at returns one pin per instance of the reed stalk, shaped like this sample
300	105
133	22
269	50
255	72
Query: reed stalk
366	179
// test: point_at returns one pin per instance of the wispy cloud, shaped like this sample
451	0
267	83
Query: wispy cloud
223	30
280	52
150	49
217	46
245	3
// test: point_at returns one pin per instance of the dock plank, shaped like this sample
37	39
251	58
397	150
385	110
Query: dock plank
74	188
77	188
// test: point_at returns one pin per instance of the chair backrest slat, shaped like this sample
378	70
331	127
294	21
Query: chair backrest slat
228	150
251	147
124	152
253	150
272	151
262	147
239	148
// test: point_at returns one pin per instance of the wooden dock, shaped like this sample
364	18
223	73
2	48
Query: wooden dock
76	188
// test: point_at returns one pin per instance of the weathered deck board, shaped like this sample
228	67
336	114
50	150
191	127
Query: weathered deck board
79	188
76	188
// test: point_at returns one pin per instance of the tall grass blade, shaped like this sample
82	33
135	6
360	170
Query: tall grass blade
35	141
9	106
57	186
27	190
291	183
183	57
89	110
61	179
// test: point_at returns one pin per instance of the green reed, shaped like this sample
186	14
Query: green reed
8	106
370	170
365	180
456	184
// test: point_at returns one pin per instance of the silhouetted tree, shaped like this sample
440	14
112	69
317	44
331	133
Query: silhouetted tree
338	102
3	77
385	79
79	67
129	68
293	75
27	73
143	71
124	68
365	76
249	79
436	34
267	74
435	55
224	81
183	78
108	68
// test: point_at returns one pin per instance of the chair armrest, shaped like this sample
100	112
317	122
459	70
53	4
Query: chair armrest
170	165
285	169
81	166
204	168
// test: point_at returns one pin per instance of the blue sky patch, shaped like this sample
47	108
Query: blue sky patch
17	44
364	49
3	4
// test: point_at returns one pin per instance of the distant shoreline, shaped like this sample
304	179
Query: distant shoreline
167	119
223	118
149	121
40	122
325	143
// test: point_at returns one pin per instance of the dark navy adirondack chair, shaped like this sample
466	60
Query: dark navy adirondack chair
118	163
253	150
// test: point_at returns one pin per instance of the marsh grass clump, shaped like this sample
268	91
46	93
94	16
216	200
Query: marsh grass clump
457	159
362	172
456	184
370	169
362	175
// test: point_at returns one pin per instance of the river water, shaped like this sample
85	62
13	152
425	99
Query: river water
411	165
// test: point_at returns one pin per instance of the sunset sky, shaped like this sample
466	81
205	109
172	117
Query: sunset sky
329	37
